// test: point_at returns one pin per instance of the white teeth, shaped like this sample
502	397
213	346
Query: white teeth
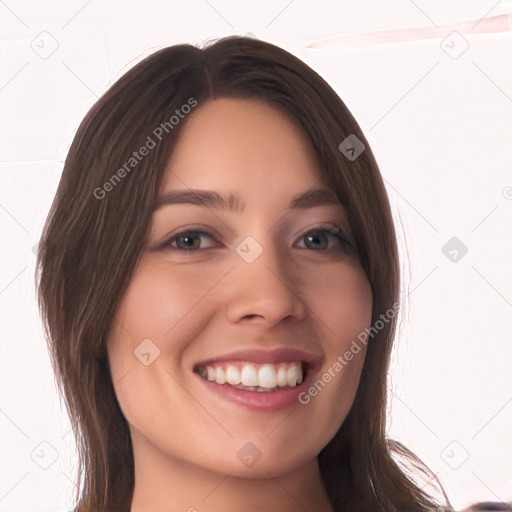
267	377
232	375
257	377
291	376
220	376
281	376
249	375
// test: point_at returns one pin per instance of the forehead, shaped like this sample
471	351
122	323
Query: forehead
245	142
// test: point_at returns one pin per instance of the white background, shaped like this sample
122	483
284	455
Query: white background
440	127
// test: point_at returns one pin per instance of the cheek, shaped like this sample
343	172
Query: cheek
161	312
155	296
149	335
159	302
343	302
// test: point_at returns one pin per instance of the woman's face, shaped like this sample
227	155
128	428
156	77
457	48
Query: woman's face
262	289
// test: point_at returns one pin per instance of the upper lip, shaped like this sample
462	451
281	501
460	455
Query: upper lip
277	355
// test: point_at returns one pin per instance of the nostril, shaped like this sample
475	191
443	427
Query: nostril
250	317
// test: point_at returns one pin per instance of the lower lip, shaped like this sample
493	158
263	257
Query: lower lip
261	401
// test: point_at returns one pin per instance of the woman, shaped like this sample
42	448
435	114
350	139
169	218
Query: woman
219	282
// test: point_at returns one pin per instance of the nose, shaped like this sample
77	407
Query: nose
265	291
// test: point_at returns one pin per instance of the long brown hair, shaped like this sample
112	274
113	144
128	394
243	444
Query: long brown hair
96	230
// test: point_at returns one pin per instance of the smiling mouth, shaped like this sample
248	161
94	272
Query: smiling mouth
251	376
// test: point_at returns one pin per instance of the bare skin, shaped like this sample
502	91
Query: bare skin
195	297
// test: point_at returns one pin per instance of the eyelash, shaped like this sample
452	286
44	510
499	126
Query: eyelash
345	244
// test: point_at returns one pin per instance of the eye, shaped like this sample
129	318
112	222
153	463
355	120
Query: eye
187	240
318	239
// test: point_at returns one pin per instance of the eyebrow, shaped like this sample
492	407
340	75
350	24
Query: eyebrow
210	199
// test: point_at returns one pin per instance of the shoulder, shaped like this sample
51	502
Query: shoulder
489	506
